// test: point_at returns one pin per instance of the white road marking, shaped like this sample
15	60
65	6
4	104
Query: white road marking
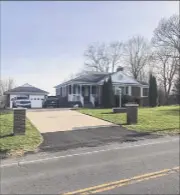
85	153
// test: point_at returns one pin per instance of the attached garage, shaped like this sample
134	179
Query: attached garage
35	95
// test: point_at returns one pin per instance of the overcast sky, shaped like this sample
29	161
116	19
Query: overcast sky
42	43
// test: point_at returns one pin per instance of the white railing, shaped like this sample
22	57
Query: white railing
76	98
82	100
69	98
92	99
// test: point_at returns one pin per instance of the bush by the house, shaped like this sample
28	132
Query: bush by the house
152	91
137	100
176	90
124	100
110	93
107	94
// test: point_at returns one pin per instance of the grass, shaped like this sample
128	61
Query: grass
159	119
20	144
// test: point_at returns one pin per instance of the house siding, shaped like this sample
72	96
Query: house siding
136	91
144	101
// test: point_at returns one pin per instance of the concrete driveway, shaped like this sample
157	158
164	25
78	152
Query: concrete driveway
63	120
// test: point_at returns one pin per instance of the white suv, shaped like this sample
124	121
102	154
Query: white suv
21	102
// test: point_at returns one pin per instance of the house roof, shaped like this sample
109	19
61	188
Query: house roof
26	88
88	77
92	77
99	77
143	83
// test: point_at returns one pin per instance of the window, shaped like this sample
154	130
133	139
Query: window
145	92
34	98
38	99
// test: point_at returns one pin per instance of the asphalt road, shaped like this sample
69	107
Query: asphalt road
147	165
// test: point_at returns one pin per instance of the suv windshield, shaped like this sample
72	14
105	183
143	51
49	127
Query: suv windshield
24	102
22	98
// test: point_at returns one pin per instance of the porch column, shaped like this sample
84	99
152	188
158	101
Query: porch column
81	90
71	88
68	90
129	90
141	92
90	89
62	91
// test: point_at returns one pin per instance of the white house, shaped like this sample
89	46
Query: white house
87	88
35	95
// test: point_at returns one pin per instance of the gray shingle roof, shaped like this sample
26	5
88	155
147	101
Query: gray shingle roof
95	77
92	77
143	82
26	88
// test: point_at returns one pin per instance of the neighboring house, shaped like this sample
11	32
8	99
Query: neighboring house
35	95
87	89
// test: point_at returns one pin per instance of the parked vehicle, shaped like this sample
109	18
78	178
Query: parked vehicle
51	101
21	102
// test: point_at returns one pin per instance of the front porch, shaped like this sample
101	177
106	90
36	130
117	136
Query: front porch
83	93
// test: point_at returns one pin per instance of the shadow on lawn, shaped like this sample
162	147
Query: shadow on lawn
7	135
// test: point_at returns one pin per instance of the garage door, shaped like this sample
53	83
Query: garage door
36	103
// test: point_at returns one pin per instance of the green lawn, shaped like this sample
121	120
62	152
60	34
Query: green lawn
159	119
17	144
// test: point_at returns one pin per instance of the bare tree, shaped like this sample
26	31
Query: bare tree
97	58
115	51
6	85
166	41
167	69
167	34
103	57
136	55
